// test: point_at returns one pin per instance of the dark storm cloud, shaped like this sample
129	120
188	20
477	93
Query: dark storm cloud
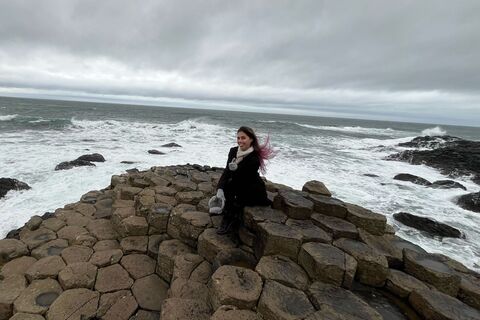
379	52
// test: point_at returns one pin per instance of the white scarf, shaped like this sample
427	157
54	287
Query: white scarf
242	154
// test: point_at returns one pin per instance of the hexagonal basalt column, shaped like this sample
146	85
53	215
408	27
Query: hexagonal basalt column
210	243
372	267
74	304
279	302
255	215
368	220
38	296
294	204
275	238
188	225
167	252
429	269
339	228
327	263
282	270
235	286
328	206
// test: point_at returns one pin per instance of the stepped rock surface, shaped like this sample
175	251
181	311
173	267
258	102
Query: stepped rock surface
145	247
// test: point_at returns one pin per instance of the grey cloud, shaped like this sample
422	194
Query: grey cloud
307	45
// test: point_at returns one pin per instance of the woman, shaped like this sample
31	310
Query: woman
240	184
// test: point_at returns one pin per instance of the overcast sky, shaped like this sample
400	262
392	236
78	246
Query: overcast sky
398	60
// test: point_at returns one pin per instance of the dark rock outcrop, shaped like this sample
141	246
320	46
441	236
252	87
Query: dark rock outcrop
412	178
94	157
447	184
470	201
171	145
7	184
153	151
430	226
452	156
70	164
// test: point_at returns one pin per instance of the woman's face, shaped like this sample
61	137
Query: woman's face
243	141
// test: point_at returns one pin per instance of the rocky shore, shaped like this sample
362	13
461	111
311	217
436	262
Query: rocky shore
145	247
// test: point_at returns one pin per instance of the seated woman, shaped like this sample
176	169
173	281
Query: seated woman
240	184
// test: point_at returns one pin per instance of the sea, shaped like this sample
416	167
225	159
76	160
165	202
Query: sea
36	135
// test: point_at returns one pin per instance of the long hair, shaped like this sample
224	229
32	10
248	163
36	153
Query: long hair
265	150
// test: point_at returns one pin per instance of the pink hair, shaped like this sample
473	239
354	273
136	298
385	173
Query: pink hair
265	152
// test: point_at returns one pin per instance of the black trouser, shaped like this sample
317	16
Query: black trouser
233	205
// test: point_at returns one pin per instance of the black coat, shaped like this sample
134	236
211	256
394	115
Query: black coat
244	184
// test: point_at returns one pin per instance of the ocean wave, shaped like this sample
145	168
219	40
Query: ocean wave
355	129
39	121
435	131
8	117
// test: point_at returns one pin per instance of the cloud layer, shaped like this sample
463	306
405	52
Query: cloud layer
417	60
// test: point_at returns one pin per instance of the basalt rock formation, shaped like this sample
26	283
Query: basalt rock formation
7	184
84	160
451	155
146	248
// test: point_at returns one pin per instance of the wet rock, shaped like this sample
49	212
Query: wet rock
255	215
316	187
192	267
71	164
328	206
279	302
107	257
282	270
51	248
112	278
171	145
337	227
176	308
93	157
470	201
234	257
37	237
447	184
412	178
10	289
167	252
78	275
7	184
138	265
150	292
34	223
38	296
275	238
340	302
231	312
134	244
74	304
372	267
469	291
210	243
430	226
154	151
452	156
11	249
432	271
402	284
47	267
294	204
235	286
327	263
368	220
119	305
432	304
17	266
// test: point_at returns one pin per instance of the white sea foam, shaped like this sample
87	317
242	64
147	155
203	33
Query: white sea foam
340	162
8	117
436	131
355	129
